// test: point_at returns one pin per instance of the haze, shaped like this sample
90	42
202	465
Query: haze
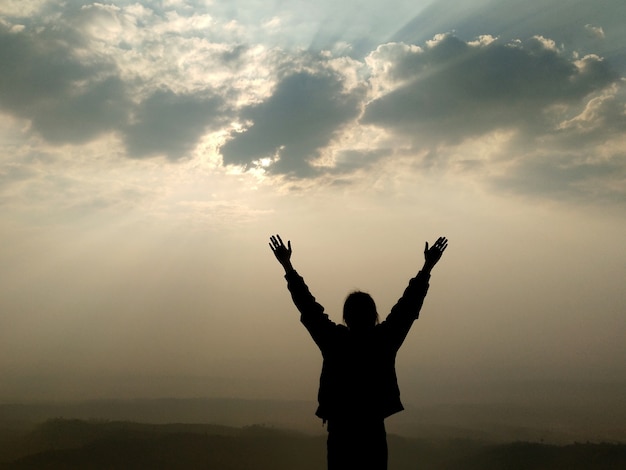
149	149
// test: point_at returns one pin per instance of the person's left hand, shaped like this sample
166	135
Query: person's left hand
282	252
433	254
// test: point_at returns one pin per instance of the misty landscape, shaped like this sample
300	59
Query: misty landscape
257	435
64	444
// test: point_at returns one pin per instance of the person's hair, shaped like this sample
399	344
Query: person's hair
359	311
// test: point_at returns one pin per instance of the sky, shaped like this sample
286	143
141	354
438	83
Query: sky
148	149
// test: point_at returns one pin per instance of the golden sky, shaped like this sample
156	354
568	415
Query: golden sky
149	149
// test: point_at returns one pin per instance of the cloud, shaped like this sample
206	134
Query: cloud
595	31
66	98
70	93
452	90
20	8
568	176
583	159
562	20
602	119
524	117
171	124
304	113
81	116
160	80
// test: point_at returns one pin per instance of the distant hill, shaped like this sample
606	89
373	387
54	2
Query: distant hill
77	444
225	411
498	423
502	423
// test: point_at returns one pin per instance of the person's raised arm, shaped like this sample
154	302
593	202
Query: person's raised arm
311	313
408	307
282	252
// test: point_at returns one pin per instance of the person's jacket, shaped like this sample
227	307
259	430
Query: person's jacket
358	379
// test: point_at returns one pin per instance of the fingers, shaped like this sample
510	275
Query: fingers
441	244
276	242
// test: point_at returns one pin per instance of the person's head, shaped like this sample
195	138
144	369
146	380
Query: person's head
359	311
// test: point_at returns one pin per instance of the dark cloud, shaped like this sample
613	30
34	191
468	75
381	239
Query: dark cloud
452	90
348	161
301	117
73	100
170	124
66	99
102	106
582	160
567	176
566	21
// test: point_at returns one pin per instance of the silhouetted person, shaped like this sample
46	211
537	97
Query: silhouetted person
358	385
